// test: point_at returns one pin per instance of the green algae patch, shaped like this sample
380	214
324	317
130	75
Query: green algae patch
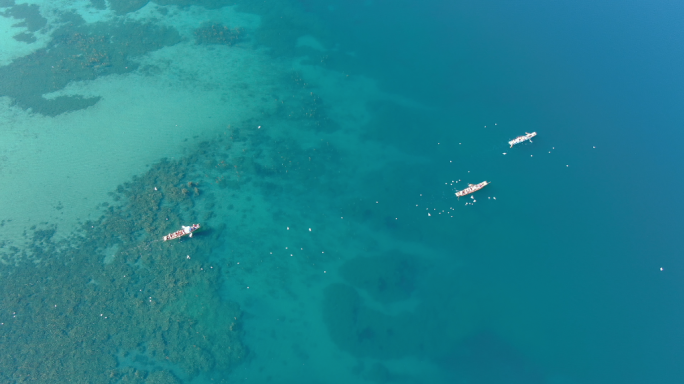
29	13
79	52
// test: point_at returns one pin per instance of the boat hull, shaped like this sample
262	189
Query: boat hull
180	233
472	188
521	139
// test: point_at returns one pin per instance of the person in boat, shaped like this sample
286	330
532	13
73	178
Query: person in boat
187	230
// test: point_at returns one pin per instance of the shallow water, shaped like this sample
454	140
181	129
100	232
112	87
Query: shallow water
319	145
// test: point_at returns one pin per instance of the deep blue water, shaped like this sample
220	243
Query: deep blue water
567	270
579	246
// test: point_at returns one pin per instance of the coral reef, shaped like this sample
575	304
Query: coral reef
69	316
79	52
112	303
217	33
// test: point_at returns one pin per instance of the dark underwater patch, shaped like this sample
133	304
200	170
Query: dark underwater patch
79	52
282	24
387	278
98	4
208	4
29	13
486	358
363	331
412	130
25	37
121	7
217	33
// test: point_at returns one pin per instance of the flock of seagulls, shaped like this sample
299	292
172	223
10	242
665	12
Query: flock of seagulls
472	188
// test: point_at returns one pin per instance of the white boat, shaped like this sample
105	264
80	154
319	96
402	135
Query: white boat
185	230
472	188
520	139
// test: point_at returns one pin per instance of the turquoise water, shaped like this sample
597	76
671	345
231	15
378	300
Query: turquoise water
319	145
